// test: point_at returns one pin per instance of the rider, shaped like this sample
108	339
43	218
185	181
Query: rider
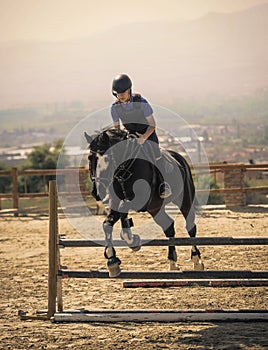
136	115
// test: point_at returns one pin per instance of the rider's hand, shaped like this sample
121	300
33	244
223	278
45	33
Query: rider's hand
141	139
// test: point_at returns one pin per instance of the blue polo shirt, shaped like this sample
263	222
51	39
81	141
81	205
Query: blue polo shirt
145	107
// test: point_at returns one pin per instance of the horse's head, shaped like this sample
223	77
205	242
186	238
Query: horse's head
100	143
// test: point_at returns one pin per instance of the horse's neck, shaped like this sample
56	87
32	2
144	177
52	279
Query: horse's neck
102	170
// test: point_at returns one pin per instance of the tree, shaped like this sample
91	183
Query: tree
5	183
208	182
42	157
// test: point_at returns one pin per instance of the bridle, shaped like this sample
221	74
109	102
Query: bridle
122	172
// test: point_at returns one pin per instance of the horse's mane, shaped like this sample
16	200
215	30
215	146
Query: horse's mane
116	134
106	138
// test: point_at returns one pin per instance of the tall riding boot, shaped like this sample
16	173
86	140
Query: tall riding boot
164	187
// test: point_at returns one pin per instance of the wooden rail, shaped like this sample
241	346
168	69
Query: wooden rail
181	242
14	173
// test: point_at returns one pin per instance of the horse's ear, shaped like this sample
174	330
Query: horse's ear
88	138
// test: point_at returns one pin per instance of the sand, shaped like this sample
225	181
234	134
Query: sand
24	270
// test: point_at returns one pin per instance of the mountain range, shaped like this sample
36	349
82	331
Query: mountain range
219	53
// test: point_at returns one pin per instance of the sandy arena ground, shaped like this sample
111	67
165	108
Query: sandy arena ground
24	268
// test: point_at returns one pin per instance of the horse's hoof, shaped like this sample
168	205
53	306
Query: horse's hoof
136	245
114	270
132	240
198	265
136	249
113	265
173	266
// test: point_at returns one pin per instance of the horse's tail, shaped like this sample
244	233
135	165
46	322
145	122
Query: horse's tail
189	186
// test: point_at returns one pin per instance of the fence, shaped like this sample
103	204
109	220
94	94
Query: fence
15	173
234	189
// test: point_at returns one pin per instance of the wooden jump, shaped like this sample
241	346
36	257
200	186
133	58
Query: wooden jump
189	274
200	241
220	283
108	316
56	274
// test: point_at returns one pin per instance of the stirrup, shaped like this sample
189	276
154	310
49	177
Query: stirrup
164	190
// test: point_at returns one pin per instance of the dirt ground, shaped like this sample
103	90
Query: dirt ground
23	281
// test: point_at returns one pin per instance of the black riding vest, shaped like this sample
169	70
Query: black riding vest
133	119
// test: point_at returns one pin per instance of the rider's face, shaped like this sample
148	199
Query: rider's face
124	96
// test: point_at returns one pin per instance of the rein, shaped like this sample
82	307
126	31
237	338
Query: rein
123	173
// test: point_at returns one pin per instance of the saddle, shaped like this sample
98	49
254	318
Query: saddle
172	159
169	161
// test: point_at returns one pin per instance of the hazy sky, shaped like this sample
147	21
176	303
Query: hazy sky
64	19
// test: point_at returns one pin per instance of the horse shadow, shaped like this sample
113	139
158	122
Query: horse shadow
262	208
223	336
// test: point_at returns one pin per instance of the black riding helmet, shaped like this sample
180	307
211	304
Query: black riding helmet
121	83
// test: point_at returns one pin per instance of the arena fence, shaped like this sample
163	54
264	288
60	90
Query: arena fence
233	175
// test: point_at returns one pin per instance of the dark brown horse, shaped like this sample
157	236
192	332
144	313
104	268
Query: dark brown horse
125	172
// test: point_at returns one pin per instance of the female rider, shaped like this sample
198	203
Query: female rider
136	115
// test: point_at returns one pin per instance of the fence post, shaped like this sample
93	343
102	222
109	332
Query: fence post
52	246
82	179
234	178
15	195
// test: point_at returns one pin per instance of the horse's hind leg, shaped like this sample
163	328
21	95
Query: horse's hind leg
167	225
189	215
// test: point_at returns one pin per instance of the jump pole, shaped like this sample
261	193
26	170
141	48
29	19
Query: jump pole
108	316
199	282
187	274
183	242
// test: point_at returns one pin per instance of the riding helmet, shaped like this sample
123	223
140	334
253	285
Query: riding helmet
121	83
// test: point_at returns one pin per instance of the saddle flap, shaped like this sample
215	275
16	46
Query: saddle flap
169	162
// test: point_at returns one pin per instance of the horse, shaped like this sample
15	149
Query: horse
117	164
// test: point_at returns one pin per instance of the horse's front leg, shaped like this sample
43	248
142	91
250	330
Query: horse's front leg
113	262
132	240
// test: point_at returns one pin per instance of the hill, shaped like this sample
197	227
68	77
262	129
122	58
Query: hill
217	53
